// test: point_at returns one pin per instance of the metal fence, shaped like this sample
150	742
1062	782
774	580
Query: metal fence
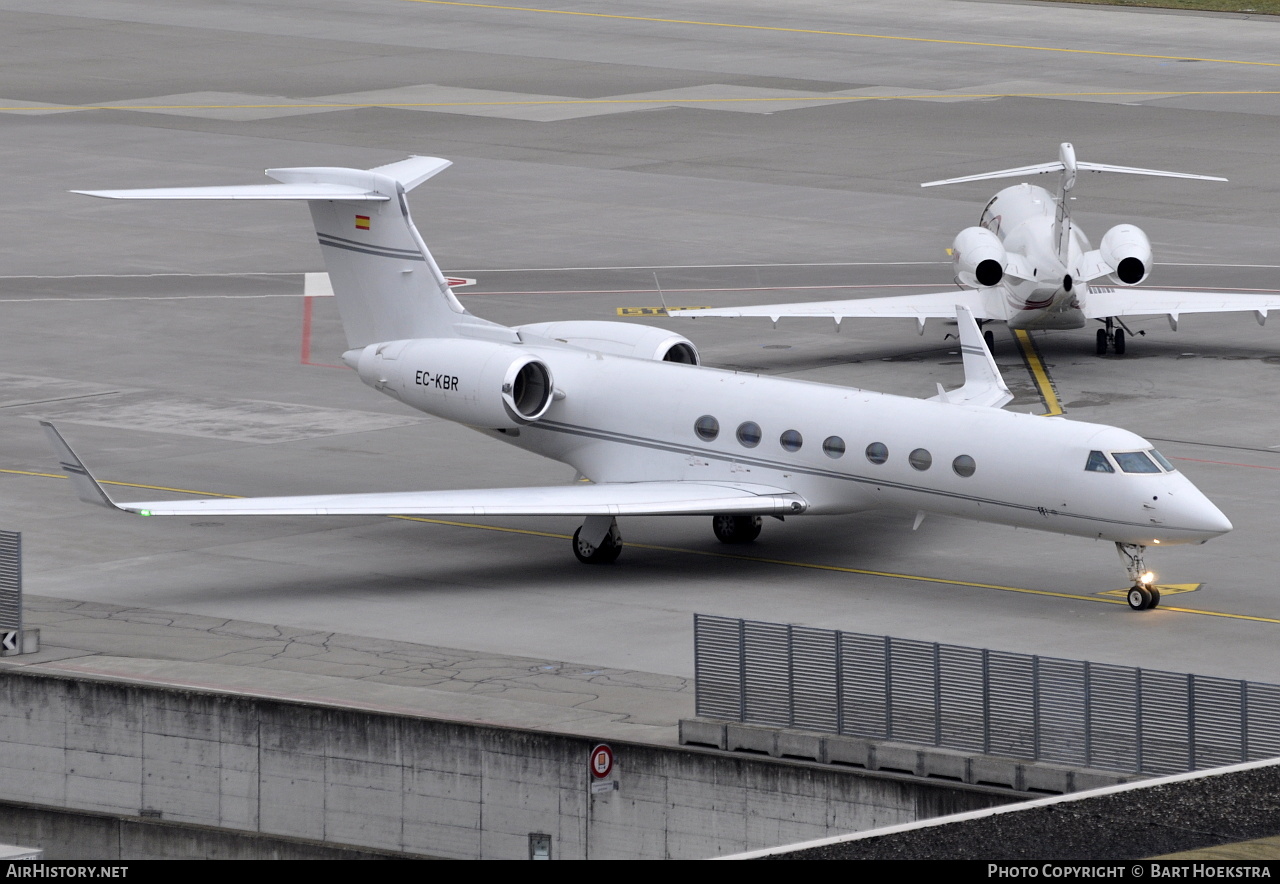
1018	705
10	580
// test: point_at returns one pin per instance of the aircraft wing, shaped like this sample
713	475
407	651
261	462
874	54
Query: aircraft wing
935	305
1103	302
606	499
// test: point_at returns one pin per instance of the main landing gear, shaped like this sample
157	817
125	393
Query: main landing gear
1115	337
735	529
598	541
1144	593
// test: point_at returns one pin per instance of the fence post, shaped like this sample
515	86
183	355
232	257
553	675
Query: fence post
888	687
986	702
937	694
742	670
1035	706
1244	720
1191	721
1088	715
839	682
791	677
1141	715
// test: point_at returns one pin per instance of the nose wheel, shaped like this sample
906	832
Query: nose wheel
1143	594
1143	597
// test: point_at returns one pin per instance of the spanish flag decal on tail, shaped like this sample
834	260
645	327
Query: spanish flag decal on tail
362	222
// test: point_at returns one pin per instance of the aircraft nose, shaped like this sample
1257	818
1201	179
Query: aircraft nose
1200	516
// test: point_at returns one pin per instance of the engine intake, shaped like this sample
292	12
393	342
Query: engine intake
1126	250
477	383
979	258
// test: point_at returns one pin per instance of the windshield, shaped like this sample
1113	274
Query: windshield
1135	462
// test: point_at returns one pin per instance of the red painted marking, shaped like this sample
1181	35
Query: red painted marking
306	338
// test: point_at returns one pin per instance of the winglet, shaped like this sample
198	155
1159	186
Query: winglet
87	487
983	384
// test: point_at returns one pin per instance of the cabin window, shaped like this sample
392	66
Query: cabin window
920	459
707	428
1097	463
964	466
877	453
833	447
1135	462
1162	460
749	434
791	440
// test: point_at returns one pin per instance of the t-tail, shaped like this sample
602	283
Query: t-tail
1068	167
387	285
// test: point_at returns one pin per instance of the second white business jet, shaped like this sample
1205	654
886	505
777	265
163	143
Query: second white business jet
657	434
1027	264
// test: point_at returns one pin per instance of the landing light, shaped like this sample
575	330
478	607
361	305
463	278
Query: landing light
1147	577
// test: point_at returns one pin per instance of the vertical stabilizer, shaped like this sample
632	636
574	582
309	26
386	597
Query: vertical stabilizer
387	285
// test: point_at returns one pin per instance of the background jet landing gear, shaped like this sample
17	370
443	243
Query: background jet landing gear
736	529
1143	594
606	549
1113	336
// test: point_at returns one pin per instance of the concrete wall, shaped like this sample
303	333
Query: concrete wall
414	785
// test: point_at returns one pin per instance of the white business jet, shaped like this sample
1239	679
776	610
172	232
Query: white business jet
629	407
1029	265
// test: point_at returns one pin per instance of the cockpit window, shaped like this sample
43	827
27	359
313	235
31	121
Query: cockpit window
1162	460
1135	462
1098	463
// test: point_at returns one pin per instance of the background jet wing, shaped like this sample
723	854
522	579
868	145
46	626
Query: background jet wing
1104	302
606	499
935	305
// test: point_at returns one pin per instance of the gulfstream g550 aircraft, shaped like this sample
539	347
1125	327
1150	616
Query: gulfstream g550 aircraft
1029	265
629	407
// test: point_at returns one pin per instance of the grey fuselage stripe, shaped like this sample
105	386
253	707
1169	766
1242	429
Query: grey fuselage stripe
676	448
402	254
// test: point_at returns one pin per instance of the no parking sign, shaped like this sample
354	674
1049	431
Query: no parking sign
601	761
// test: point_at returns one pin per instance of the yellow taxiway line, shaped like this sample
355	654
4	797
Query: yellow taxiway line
827	33
1039	374
785	563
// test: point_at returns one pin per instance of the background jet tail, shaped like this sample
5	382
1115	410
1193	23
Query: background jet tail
387	284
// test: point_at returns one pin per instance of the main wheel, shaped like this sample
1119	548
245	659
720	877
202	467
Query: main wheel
1119	345
1139	597
608	550
736	529
1102	342
990	338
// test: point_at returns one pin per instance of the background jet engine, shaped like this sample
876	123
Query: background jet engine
1127	251
618	339
979	257
477	383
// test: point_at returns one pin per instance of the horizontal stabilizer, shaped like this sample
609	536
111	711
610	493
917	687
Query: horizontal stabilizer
618	499
313	191
1068	165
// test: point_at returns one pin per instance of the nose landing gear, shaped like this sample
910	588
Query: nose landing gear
1144	593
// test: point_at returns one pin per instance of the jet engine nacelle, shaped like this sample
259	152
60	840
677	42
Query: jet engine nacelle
618	339
979	257
477	383
1127	251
